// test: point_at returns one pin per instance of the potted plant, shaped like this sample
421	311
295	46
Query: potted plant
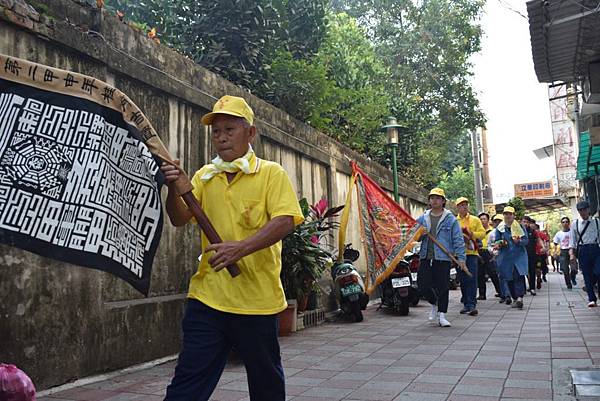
304	257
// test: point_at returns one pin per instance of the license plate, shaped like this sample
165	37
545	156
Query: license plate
351	290
453	271
414	276
401	282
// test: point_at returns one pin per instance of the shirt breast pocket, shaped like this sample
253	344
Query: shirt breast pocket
252	215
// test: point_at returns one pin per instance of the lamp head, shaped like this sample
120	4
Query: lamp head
391	129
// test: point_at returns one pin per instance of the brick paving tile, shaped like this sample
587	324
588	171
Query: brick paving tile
84	394
502	354
525	367
533	393
456	358
437	379
482	381
490	353
291	389
410	396
405	369
462	397
343	383
481	390
126	397
570	355
430	388
542	376
494	359
528	383
373	395
490	365
355	375
533	354
450	365
493	374
317	374
326	392
236	386
226	395
384	385
388	376
433	370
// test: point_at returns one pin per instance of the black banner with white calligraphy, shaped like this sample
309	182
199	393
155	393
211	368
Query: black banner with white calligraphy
78	182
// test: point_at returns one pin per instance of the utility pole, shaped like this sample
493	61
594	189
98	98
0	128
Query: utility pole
477	171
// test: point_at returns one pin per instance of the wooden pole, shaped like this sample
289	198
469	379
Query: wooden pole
443	248
184	188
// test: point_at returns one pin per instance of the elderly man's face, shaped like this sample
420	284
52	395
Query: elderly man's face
463	208
231	136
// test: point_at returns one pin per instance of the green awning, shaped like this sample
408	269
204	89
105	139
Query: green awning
588	161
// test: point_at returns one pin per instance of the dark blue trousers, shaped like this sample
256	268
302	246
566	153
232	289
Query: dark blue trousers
516	286
468	285
589	263
208	336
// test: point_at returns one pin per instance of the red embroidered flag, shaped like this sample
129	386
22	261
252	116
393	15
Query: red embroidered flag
387	230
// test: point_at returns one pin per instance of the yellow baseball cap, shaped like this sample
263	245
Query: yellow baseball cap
231	105
461	200
438	192
497	217
508	209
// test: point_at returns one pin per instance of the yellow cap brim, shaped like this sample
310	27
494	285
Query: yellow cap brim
207	119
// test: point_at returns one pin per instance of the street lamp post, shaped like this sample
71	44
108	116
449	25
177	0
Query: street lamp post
391	129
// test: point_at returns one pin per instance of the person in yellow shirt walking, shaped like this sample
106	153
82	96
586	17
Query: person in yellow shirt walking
252	205
473	233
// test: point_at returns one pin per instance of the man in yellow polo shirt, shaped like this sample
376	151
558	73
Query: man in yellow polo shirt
473	232
252	205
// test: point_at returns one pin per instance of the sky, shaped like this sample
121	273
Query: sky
514	102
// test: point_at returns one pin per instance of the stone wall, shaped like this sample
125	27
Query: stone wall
60	322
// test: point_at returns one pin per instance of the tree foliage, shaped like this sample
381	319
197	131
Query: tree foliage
519	206
458	183
343	66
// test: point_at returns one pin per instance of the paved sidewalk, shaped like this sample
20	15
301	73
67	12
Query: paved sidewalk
501	354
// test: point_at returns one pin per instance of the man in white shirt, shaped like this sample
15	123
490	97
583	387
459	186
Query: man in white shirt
563	239
584	240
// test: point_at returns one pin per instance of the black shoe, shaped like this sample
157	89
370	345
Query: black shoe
544	278
497	295
532	292
508	301
473	312
502	300
464	311
481	298
520	304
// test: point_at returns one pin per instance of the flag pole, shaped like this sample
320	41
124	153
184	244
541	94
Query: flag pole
183	188
443	248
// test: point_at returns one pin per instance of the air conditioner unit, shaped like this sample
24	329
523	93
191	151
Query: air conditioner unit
591	85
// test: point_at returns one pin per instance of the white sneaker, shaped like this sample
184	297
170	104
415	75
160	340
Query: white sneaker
443	322
592	304
433	315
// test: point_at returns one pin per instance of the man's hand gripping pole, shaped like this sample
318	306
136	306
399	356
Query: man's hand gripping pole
183	188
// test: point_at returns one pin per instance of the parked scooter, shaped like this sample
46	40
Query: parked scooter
415	263
397	290
349	285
